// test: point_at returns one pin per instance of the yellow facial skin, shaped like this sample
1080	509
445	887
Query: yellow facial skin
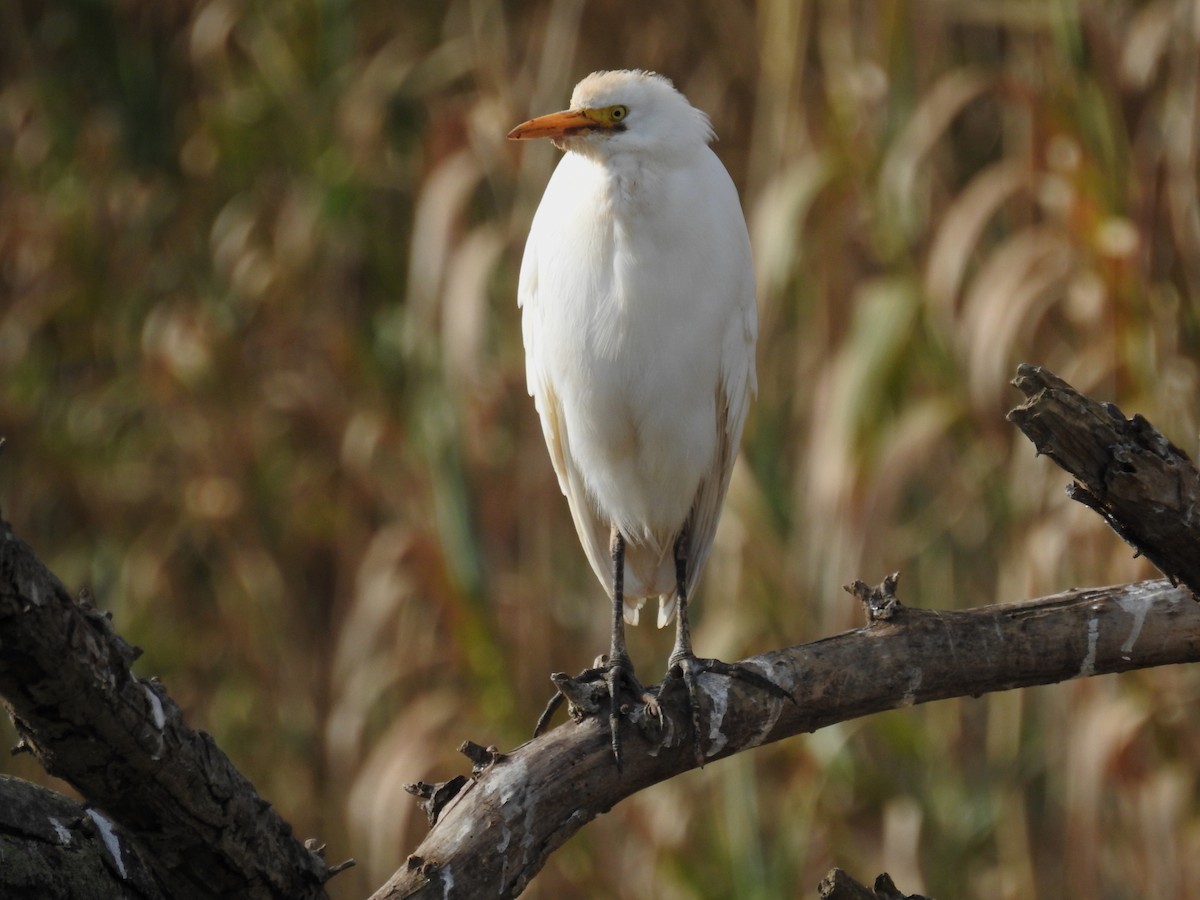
571	123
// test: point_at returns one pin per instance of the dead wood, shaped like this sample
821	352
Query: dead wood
183	813
1144	486
120	741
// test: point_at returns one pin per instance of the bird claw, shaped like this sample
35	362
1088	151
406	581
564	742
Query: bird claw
585	694
688	667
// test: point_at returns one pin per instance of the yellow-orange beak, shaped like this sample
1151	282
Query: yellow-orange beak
557	125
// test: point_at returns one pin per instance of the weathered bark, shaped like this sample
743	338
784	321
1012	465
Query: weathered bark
181	807
497	832
120	741
1144	486
53	848
837	885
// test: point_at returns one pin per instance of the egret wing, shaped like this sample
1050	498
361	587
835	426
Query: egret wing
737	387
594	533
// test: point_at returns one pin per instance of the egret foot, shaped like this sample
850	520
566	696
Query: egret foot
687	666
586	691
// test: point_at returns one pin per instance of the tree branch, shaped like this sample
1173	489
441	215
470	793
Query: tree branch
120	740
499	828
1144	486
181	807
837	885
519	807
56	849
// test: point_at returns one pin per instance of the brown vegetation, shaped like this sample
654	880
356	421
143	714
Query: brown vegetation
261	376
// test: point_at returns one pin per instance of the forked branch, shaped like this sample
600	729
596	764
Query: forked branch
202	830
498	830
120	740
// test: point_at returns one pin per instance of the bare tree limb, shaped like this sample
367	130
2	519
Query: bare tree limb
497	832
181	807
56	849
120	740
1144	486
837	885
500	826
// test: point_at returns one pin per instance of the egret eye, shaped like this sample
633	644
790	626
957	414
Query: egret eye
617	113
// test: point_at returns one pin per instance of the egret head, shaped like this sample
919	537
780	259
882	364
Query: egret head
622	111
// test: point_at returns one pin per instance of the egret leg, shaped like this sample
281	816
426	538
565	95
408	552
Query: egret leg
615	671
619	668
686	665
618	655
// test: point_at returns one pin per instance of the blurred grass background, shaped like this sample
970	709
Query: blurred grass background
262	380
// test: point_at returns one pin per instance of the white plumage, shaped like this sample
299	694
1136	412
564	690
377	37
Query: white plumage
639	320
637	291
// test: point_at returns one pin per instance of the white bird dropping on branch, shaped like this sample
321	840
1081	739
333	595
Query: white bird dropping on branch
639	319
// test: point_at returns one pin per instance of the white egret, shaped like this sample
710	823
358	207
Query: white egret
639	319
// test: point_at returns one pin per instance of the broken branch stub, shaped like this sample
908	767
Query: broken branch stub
837	885
879	602
1144	487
